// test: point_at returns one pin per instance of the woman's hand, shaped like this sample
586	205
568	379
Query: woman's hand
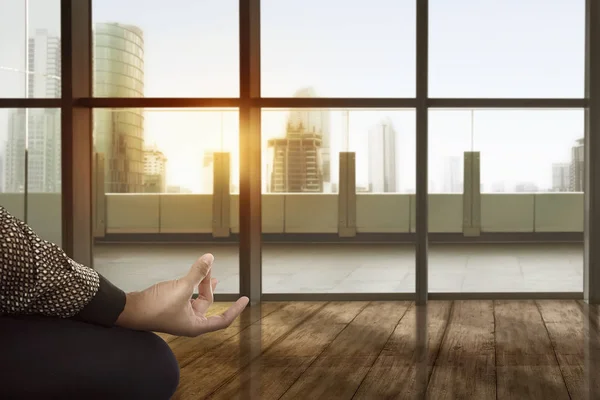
168	307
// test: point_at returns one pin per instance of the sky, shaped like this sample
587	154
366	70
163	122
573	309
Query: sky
351	48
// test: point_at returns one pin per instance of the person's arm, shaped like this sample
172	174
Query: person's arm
37	277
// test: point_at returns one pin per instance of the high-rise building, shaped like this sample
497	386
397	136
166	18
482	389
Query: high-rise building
119	134
155	171
297	160
561	177
576	170
382	158
453	175
314	122
39	128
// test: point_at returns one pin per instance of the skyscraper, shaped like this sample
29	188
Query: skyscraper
155	171
119	134
314	122
576	170
561	177
41	127
382	158
297	160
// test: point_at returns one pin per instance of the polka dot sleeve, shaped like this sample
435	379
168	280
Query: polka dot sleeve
37	277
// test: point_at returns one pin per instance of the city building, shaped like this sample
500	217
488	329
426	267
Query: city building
119	134
315	122
498	187
561	177
526	187
576	171
39	128
297	160
382	158
155	171
453	175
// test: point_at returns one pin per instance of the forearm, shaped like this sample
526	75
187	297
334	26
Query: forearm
37	277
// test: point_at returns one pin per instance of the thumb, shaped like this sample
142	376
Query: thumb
200	269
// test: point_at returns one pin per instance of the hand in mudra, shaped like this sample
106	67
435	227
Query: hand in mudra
168	306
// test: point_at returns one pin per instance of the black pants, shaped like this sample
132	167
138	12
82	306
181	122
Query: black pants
50	358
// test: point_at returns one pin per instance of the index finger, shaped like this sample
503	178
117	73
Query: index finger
222	321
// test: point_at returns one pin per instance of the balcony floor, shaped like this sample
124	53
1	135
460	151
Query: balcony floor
357	268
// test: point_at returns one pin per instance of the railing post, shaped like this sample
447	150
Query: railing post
221	195
471	194
347	195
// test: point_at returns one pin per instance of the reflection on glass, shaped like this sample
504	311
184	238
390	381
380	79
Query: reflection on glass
301	182
521	150
344	49
165	150
473	54
31	168
135	52
30	64
301	149
531	165
154	176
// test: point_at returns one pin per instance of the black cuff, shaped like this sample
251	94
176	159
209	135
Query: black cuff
105	307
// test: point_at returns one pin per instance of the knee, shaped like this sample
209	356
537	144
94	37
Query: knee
163	368
157	369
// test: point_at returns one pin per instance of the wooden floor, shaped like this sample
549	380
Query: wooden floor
395	350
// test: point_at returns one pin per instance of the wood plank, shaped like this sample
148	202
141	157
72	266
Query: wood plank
394	374
277	369
465	366
340	369
205	374
525	361
187	349
565	324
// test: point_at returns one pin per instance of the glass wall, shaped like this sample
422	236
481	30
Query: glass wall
31	168
30	61
180	48
506	49
525	179
338	108
306	200
156	171
338	48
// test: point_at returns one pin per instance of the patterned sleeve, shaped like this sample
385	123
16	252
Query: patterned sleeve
37	277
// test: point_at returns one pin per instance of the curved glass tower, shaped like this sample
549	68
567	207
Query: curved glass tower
119	134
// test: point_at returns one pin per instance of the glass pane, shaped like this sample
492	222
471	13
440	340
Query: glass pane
155	170
32	160
30	63
510	48
341	48
530	175
181	48
303	170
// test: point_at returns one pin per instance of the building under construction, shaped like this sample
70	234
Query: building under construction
296	161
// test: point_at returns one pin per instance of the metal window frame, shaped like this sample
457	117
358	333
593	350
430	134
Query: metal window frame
77	104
